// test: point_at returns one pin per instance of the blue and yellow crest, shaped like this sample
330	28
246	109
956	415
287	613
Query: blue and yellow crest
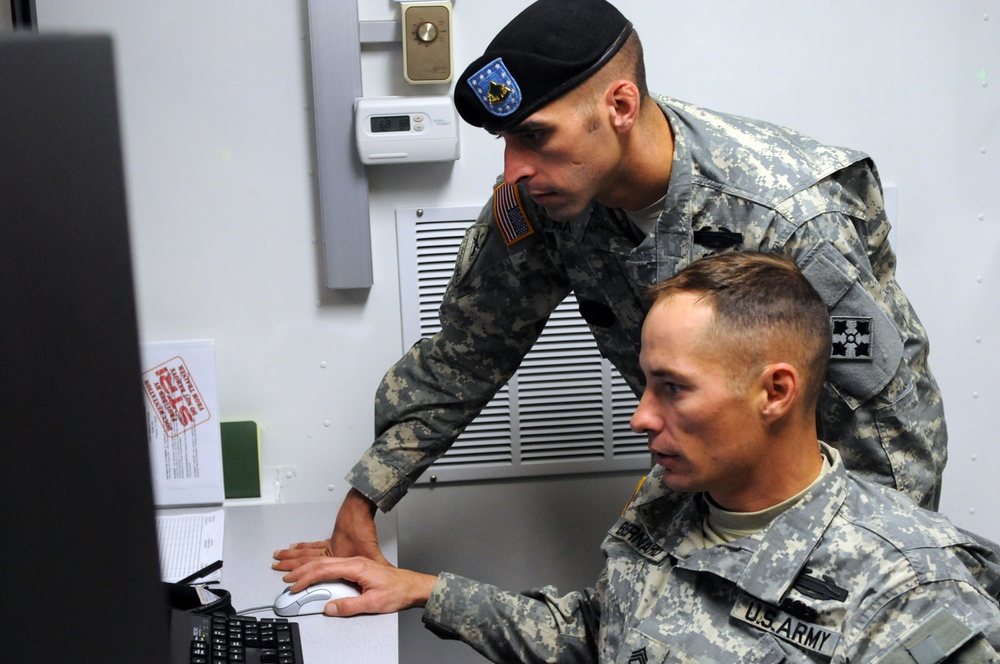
496	88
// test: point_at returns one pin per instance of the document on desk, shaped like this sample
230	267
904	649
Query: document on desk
189	541
182	422
185	453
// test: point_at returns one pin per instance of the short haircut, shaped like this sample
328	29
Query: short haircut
765	310
629	64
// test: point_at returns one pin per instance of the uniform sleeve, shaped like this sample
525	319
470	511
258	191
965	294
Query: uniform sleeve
492	312
530	627
881	406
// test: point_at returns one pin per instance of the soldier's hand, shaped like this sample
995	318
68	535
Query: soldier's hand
353	535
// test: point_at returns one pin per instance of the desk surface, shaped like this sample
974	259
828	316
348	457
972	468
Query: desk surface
253	533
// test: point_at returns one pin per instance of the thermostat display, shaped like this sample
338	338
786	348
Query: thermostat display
384	123
394	130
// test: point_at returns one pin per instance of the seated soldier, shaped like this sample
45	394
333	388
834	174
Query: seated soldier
750	540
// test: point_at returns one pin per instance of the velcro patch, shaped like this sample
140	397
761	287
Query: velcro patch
785	626
511	219
852	338
496	88
938	636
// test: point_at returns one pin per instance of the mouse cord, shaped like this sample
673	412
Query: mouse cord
256	609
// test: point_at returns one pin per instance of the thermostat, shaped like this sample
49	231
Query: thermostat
426	42
397	130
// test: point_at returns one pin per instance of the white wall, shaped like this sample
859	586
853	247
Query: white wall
215	107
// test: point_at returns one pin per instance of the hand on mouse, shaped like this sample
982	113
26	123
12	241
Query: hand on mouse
384	587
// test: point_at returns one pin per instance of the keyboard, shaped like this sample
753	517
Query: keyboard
229	639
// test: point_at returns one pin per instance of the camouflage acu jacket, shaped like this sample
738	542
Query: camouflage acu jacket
736	184
852	573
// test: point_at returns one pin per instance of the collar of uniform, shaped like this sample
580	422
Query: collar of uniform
766	564
666	520
788	542
656	521
669	249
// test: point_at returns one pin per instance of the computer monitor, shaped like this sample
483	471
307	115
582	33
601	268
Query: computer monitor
80	574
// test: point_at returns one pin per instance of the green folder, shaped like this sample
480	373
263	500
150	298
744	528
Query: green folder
241	459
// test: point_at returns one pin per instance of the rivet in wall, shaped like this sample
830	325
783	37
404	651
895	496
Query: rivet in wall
986	17
975	395
329	488
322	365
982	150
979	340
420	213
979	280
326	423
982	217
973	458
972	510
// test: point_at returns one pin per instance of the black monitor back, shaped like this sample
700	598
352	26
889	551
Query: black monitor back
76	508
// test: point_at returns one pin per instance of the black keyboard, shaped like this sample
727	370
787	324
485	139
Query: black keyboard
225	639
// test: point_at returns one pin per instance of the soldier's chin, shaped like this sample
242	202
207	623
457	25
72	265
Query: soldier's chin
559	208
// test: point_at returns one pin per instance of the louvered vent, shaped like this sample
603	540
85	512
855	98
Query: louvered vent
566	410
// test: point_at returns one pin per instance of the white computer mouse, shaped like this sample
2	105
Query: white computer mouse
313	598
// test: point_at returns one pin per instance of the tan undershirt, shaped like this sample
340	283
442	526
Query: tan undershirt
722	526
644	220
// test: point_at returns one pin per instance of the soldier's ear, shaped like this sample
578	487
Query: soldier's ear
623	100
780	387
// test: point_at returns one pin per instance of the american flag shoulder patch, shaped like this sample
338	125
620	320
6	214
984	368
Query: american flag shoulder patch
513	223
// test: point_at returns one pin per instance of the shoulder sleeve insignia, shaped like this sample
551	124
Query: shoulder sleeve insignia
511	219
852	338
634	494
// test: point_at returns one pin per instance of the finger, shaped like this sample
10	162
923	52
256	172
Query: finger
320	544
289	564
290	559
348	606
302	549
320	569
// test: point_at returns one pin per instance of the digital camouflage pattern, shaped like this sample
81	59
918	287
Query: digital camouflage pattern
736	184
853	572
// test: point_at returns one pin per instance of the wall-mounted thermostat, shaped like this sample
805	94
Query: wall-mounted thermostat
426	42
397	130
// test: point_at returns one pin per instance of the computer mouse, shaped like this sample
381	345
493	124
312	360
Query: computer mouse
313	598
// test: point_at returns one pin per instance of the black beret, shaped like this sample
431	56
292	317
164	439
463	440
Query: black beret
544	52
